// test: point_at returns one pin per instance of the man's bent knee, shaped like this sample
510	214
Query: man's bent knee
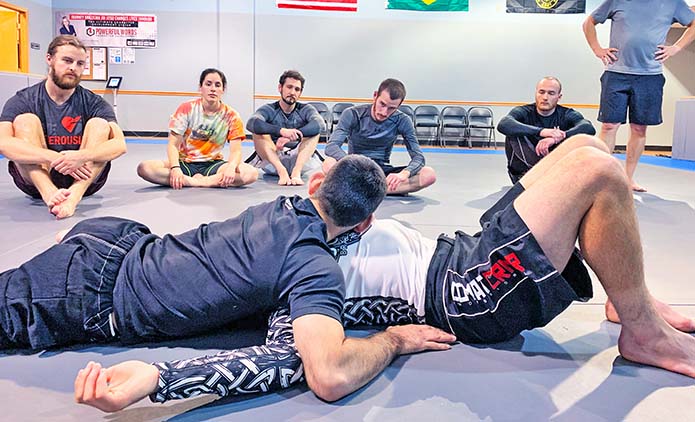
598	166
583	140
26	122
98	125
427	176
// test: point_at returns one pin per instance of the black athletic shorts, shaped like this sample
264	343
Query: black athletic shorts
489	287
206	168
62	181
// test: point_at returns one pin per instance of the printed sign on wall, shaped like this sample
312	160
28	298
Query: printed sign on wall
109	30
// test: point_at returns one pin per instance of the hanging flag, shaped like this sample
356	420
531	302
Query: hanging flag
334	5
429	5
546	6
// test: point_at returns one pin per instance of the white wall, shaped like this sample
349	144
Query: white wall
481	55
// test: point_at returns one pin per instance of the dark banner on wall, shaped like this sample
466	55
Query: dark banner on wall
429	5
546	6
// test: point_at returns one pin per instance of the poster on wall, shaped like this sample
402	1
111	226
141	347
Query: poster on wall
546	6
115	55
95	68
109	29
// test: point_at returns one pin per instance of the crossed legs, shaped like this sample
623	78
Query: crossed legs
158	172
584	194
61	202
267	150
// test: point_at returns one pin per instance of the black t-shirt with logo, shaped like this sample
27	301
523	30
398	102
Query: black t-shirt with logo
62	124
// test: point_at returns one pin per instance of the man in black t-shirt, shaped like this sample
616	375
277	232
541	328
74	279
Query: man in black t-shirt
533	130
110	278
59	136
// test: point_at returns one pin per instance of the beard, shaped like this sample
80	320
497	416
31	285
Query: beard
63	82
289	100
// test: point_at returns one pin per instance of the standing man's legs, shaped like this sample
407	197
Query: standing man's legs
585	193
635	147
608	133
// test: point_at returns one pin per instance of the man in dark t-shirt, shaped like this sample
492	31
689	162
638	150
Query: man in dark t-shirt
533	130
59	136
111	278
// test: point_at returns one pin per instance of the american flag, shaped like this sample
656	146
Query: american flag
334	5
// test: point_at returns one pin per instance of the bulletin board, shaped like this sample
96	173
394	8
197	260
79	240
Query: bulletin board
96	67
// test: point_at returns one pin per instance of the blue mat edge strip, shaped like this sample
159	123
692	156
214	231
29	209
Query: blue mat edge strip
646	159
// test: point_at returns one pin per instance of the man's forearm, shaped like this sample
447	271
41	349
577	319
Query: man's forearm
687	37
589	28
509	126
310	129
107	151
236	371
259	126
333	148
583	126
22	152
360	360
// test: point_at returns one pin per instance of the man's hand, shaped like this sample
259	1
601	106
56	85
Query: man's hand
291	134
555	133
117	387
280	143
607	55
664	52
394	180
417	338
176	178
543	146
228	176
73	163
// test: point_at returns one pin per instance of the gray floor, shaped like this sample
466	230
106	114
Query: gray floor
569	370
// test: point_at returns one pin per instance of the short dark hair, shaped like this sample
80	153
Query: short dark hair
353	188
394	87
292	74
210	70
62	40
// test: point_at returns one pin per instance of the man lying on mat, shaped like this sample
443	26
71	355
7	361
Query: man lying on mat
111	279
518	273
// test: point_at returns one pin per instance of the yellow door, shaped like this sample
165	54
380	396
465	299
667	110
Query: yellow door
9	34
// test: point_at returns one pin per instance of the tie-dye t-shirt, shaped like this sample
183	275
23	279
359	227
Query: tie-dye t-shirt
204	135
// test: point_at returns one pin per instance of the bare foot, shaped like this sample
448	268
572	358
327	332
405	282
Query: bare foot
296	181
660	346
61	234
284	180
673	318
637	188
64	210
57	198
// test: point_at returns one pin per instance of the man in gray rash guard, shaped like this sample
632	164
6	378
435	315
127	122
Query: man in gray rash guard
287	120
371	130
